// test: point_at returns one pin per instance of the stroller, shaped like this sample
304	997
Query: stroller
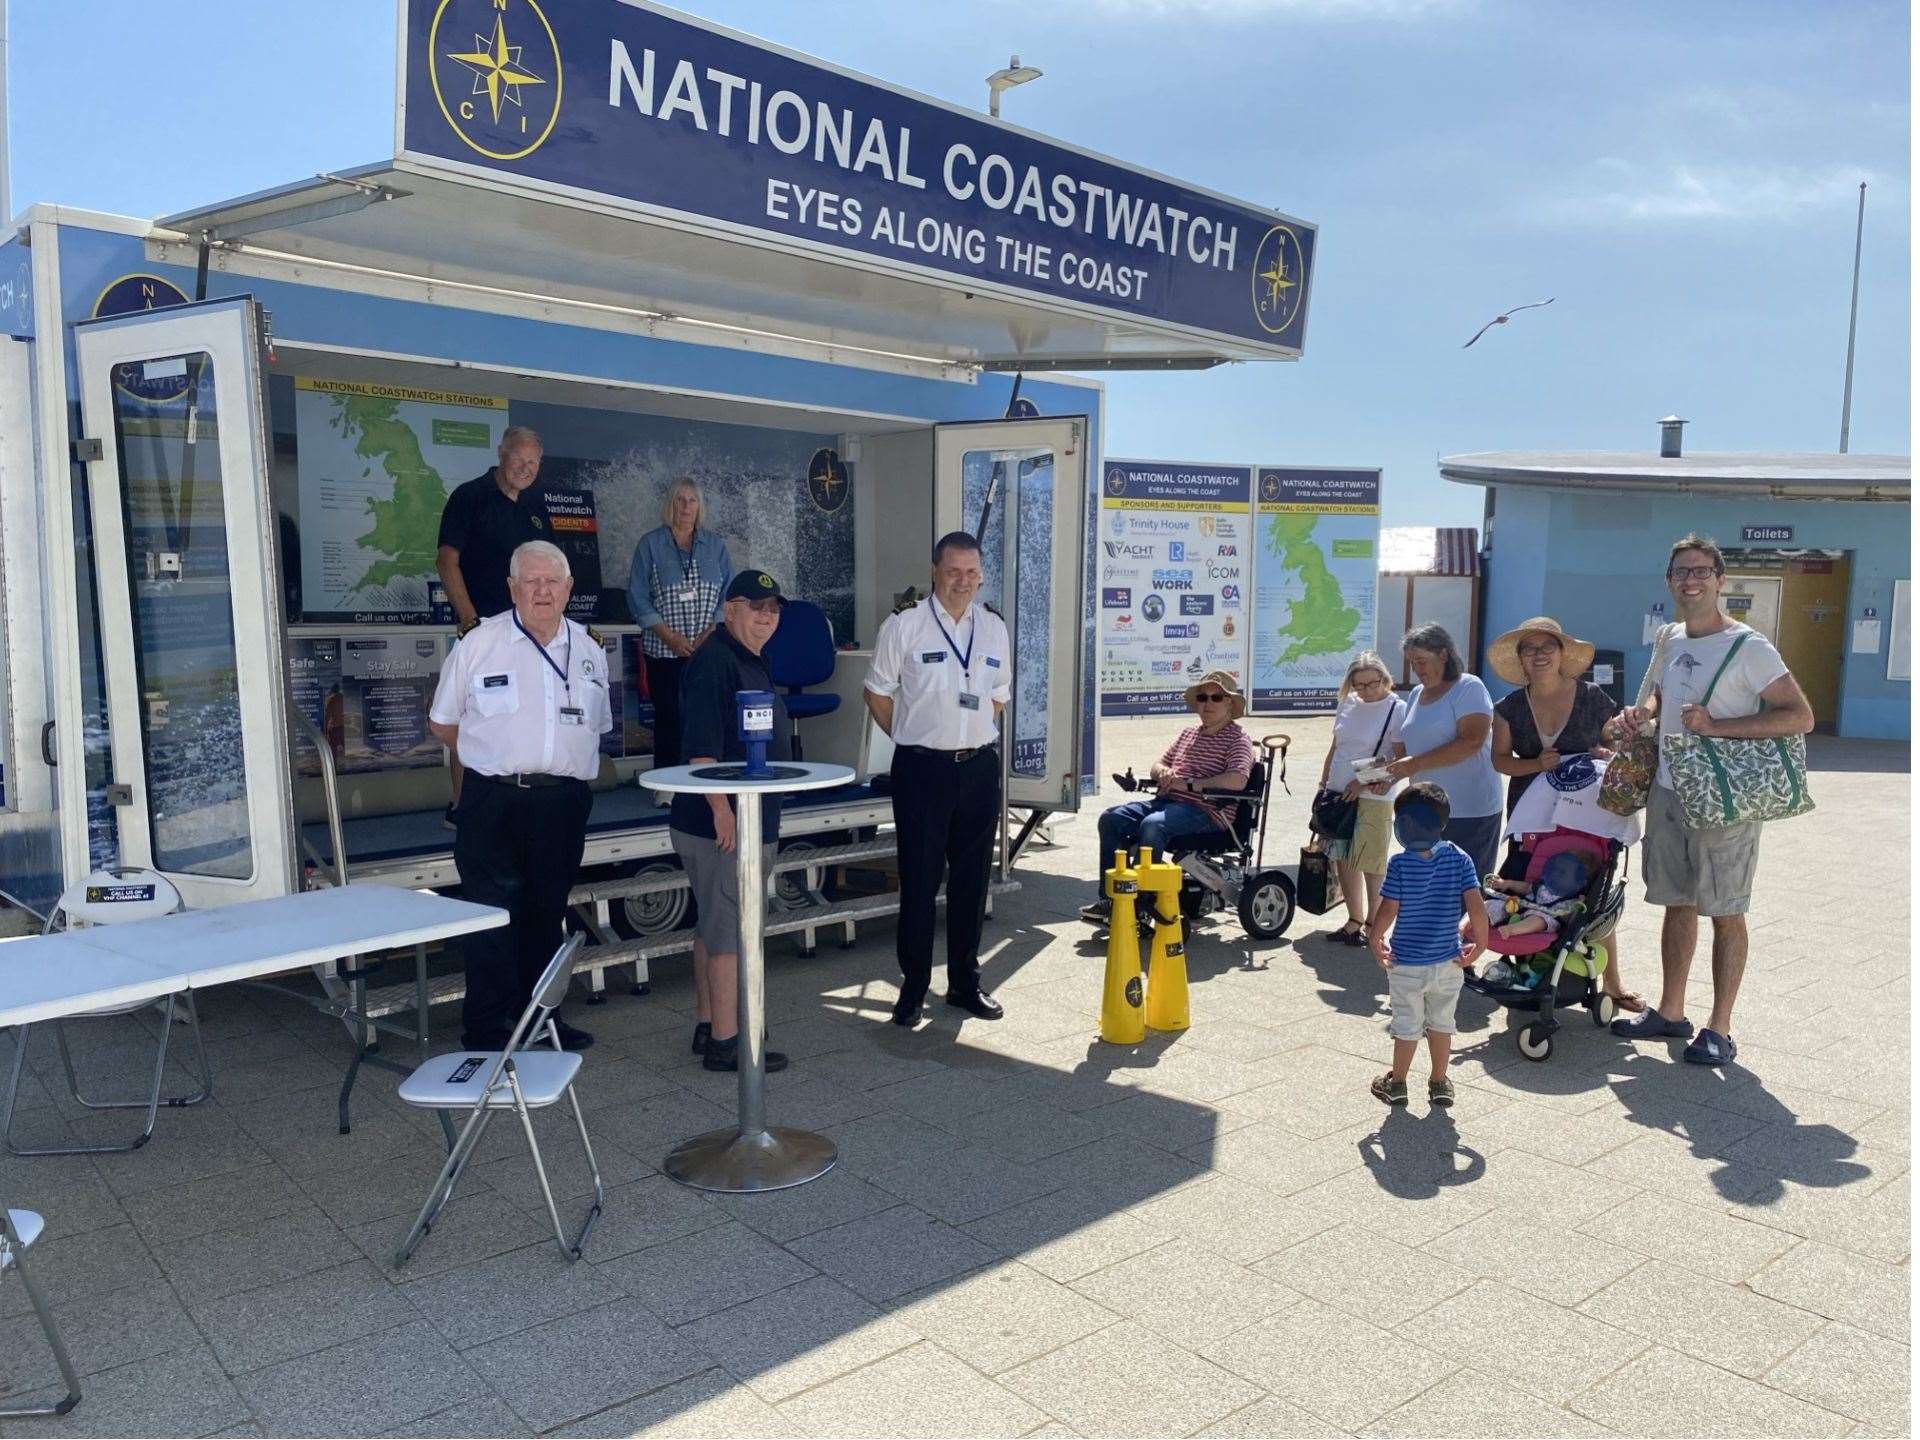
1563	969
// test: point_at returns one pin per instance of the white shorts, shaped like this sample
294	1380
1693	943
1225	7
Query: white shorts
1423	998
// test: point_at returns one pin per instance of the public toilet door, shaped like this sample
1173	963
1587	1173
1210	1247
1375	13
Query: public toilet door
1034	555
172	405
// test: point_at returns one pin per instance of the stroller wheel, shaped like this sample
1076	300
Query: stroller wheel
1535	1042
1603	1010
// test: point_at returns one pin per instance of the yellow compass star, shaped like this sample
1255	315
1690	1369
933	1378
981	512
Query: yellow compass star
1275	276
496	67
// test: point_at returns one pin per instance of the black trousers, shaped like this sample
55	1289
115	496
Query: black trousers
944	812
663	688
520	850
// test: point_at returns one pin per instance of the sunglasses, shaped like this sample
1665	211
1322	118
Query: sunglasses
1530	651
1215	699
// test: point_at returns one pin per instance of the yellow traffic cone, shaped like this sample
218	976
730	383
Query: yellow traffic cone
1167	963
1120	1001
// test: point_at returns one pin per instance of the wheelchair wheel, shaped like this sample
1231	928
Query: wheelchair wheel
1266	904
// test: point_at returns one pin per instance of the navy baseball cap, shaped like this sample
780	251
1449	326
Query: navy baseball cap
754	585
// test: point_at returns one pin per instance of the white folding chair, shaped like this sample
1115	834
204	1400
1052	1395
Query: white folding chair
110	897
18	1230
487	1082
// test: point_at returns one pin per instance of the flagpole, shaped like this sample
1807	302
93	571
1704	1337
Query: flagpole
6	170
1853	318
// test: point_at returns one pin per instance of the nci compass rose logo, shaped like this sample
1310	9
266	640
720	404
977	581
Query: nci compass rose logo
1279	279
495	66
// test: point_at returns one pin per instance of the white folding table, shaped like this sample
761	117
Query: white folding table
45	977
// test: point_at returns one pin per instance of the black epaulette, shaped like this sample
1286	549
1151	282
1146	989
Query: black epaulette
993	610
595	636
906	600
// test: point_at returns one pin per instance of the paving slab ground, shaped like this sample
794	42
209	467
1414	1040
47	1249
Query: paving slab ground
1031	1233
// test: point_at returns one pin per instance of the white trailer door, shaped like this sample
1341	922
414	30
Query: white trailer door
1034	557
173	407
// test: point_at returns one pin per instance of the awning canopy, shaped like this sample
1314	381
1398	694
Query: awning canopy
403	218
1429	550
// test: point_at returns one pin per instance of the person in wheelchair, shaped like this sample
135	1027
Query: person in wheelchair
1212	758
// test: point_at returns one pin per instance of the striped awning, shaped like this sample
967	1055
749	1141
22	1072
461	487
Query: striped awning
1430	550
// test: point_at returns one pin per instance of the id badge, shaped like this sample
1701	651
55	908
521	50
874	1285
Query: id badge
572	715
689	595
969	701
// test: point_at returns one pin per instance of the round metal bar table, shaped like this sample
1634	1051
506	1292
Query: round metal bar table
751	1156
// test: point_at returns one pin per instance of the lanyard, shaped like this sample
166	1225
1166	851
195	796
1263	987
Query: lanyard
565	675
689	558
965	658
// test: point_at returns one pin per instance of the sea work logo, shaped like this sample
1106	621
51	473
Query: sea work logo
1173	579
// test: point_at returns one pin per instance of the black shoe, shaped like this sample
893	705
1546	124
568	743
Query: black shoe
906	1010
725	1055
571	1038
1098	913
702	1033
978	1004
447	819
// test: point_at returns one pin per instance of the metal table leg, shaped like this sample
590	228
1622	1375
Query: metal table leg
751	1156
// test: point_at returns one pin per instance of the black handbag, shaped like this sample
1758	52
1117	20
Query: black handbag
1333	815
1318	889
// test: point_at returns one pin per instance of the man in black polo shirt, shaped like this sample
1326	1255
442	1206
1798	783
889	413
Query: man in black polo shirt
484	522
702	826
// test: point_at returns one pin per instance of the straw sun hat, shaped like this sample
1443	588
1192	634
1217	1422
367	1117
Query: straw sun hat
1503	655
1223	682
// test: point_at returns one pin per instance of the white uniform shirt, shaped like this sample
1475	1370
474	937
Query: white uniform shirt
516	714
917	659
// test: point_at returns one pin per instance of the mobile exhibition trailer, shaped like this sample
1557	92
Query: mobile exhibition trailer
226	435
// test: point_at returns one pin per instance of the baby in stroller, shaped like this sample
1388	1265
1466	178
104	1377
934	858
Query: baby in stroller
1545	904
1550	950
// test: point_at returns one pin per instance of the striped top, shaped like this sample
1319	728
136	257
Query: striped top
1429	892
1198	756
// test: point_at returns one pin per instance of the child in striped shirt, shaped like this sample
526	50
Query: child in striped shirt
1430	884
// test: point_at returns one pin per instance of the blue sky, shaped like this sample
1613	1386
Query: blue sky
1680	177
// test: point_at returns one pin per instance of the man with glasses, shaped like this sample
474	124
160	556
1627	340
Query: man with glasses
1213	758
523	702
1705	872
942	672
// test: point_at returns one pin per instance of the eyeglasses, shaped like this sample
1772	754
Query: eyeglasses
1529	652
1211	699
1693	572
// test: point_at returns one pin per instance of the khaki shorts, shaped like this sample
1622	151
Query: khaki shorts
714	878
1423	998
1709	870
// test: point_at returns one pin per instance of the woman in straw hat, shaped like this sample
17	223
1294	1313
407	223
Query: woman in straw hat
1554	714
1194	782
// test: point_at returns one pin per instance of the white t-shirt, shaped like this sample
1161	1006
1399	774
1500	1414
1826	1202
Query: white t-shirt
1688	671
1356	737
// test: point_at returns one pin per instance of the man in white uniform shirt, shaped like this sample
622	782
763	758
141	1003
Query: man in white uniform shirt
942	672
1718	678
523	702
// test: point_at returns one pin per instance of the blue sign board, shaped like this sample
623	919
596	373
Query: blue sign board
661	113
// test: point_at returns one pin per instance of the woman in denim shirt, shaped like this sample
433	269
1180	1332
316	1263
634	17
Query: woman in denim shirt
680	572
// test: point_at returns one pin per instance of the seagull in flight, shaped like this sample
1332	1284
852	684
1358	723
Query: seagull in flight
1502	319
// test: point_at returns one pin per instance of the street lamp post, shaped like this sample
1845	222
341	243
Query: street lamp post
1014	74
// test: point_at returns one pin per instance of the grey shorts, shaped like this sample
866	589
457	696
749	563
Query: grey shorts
714	877
1423	997
1710	870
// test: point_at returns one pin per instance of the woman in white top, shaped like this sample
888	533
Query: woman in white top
1364	729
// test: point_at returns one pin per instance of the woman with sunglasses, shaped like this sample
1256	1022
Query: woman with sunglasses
1364	729
1554	714
1213	758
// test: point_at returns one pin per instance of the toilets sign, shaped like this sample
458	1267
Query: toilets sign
655	112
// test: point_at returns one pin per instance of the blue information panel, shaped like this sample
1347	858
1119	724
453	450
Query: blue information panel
662	113
1175	571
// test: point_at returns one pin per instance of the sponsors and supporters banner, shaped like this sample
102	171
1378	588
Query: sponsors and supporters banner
661	114
1175	575
1317	545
